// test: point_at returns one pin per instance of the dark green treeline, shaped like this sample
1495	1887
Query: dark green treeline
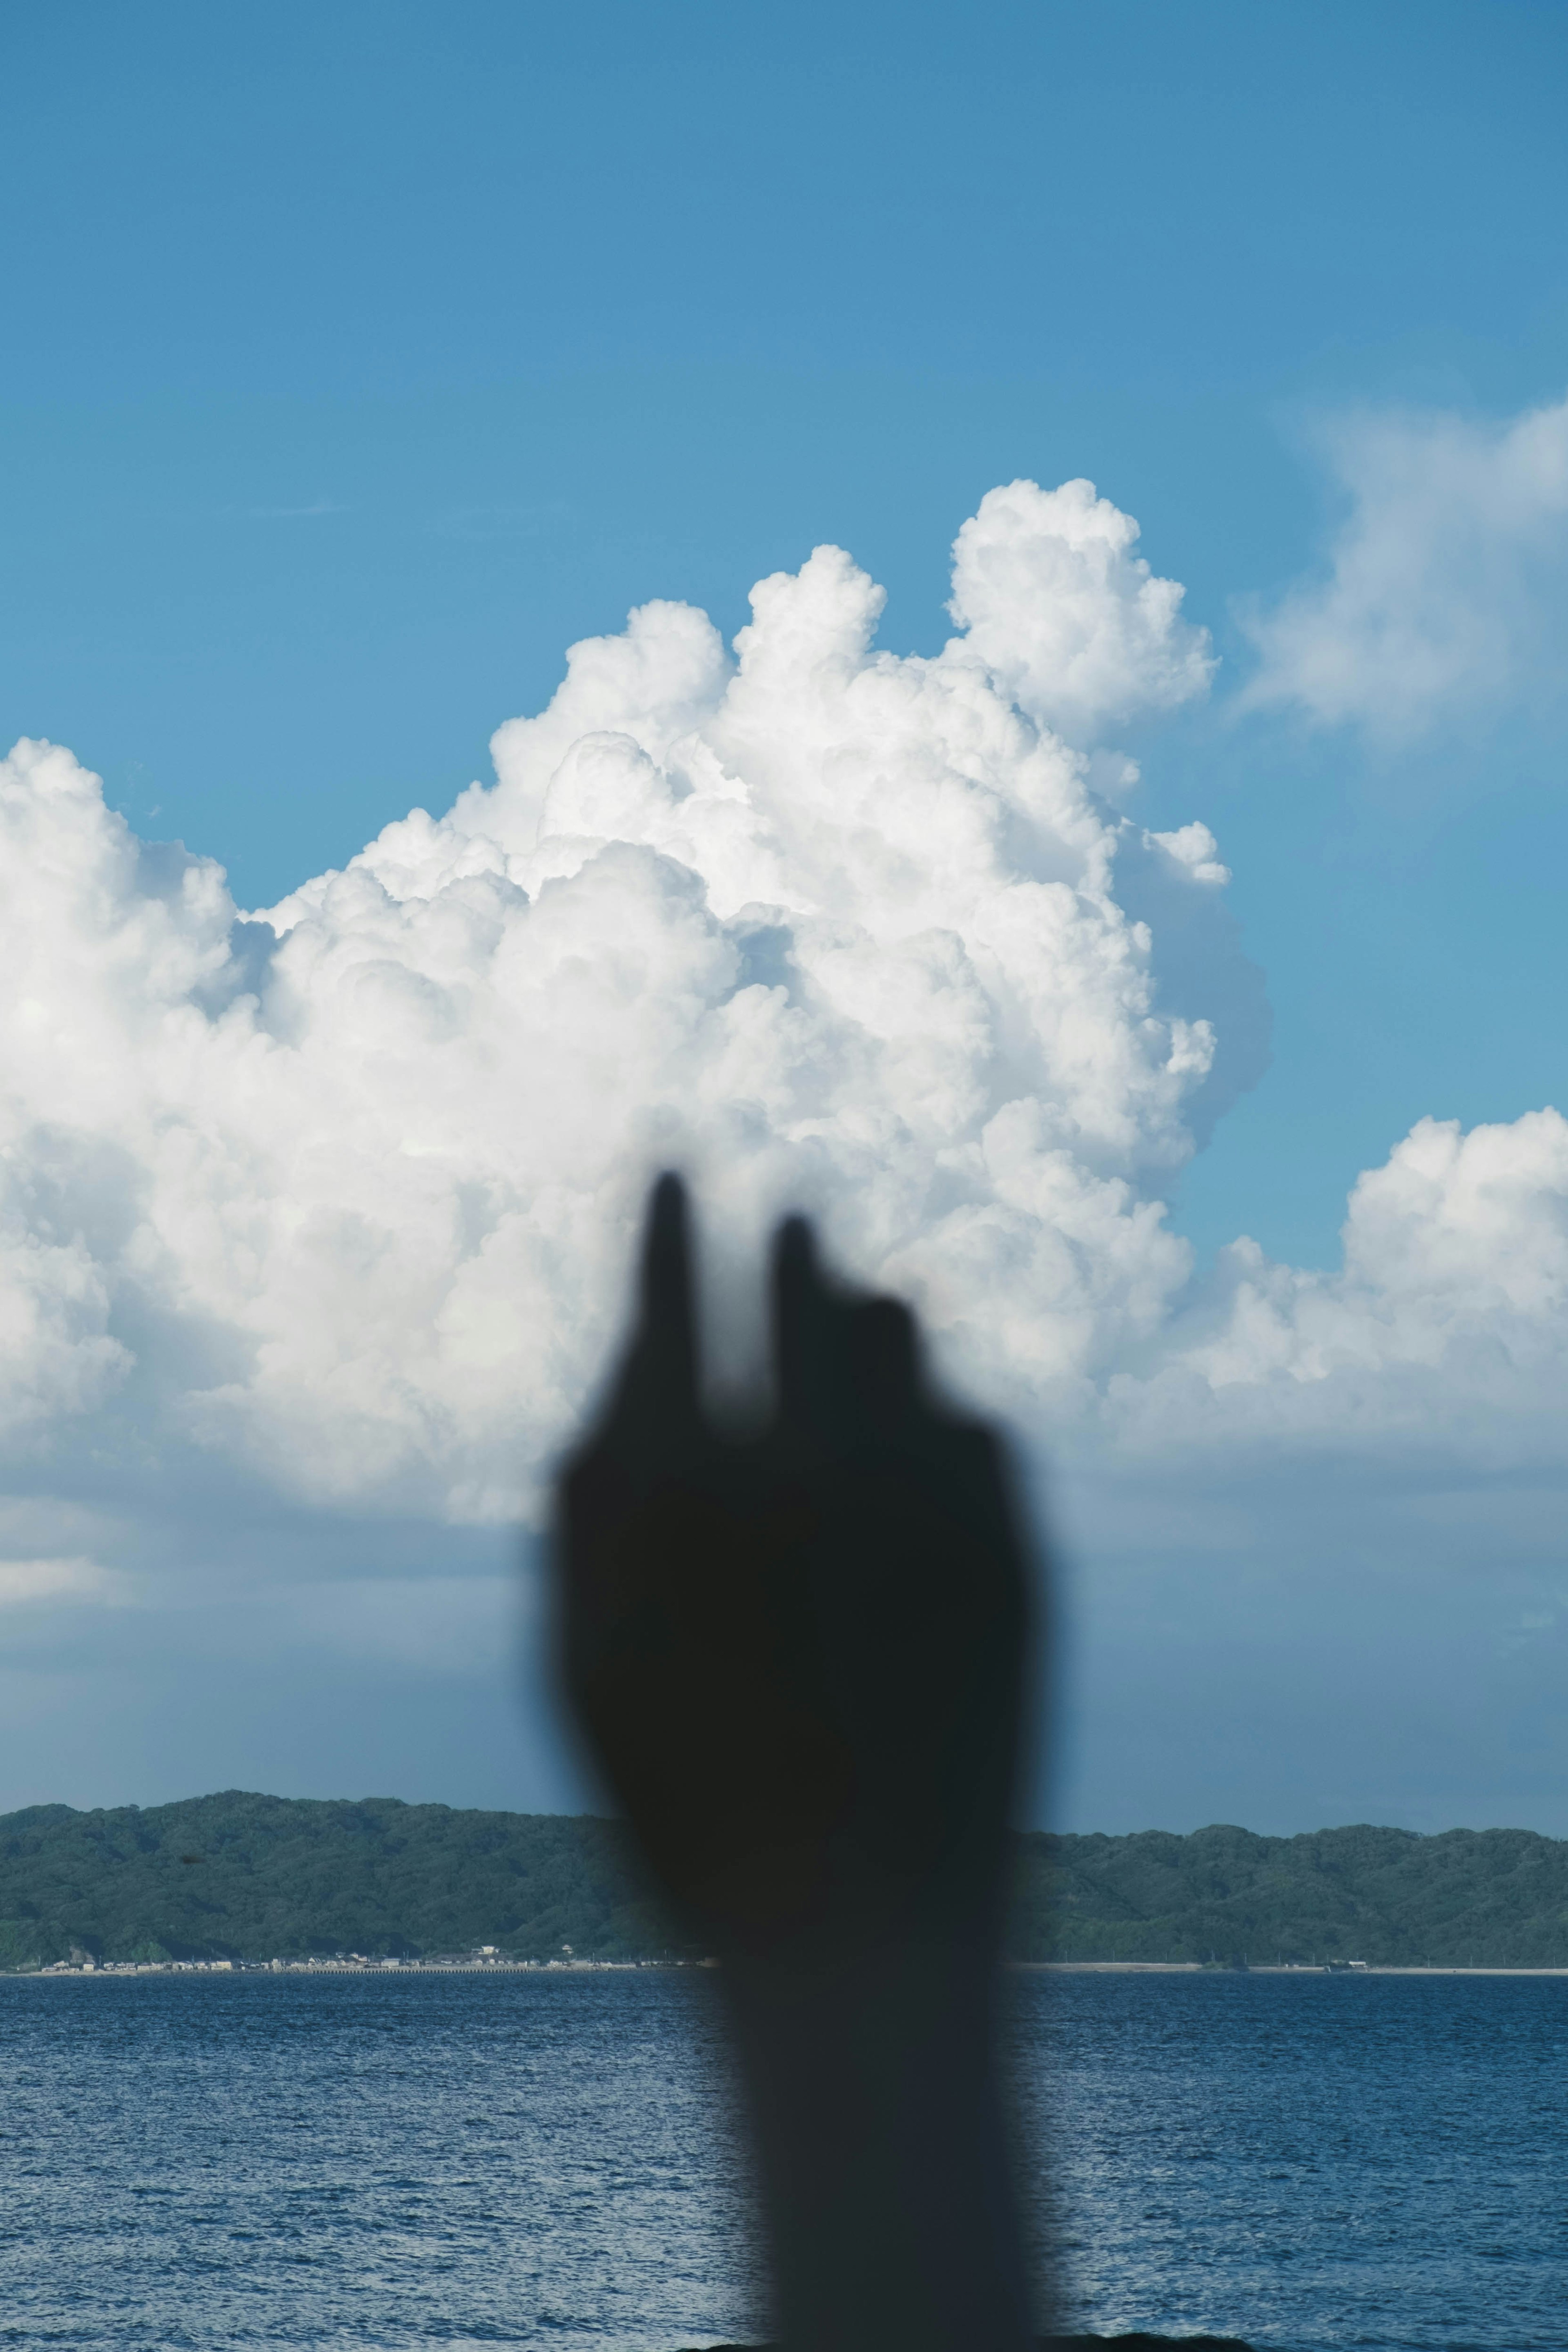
1464	1898
246	1877
250	1877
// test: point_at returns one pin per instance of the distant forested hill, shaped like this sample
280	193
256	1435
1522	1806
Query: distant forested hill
247	1877
1464	1898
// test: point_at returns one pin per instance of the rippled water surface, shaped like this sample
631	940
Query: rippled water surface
341	2160
1312	2162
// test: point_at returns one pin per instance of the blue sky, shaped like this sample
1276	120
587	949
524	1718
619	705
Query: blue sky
365	358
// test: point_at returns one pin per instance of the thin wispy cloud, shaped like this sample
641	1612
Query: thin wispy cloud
1445	585
483	523
289	514
25	1582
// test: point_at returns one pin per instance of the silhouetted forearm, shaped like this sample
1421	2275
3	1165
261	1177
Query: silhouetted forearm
884	2153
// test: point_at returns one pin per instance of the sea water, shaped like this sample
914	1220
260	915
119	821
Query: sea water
373	2162
1310	2162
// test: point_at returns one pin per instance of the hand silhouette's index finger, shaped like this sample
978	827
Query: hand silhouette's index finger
668	1328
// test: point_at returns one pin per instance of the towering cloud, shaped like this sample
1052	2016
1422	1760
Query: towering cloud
347	1188
344	1191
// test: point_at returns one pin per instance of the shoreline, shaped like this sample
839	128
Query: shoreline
1269	1968
350	1965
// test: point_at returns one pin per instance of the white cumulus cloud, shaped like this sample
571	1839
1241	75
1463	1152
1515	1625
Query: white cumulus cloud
342	1195
344	1191
1440	1346
1447	584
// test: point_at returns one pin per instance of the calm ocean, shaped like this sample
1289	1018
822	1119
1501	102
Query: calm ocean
1310	2162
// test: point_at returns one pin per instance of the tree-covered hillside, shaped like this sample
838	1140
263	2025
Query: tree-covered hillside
248	1877
1464	1898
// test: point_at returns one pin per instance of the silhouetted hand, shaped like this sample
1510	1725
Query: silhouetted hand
798	1656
